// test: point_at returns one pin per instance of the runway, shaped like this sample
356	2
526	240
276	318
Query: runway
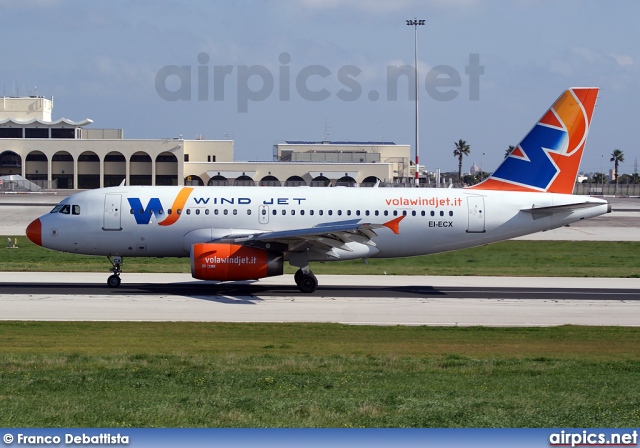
361	300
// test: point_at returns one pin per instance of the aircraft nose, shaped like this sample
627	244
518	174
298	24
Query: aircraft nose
34	232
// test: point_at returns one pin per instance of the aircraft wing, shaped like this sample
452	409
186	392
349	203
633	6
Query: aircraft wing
325	236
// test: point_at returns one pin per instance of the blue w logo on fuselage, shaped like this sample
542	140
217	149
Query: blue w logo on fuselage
539	170
143	215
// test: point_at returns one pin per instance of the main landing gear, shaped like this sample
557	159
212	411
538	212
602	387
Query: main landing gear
306	281
114	280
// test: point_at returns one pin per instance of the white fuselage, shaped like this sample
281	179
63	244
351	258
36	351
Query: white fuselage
125	221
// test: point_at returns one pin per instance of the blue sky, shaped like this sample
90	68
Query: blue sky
103	60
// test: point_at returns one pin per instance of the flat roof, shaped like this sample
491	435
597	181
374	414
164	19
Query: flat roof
303	142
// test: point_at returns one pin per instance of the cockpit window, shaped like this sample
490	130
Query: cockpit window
75	209
66	209
56	209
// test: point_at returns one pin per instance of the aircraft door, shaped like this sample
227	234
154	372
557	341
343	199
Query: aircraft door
263	214
476	214
112	212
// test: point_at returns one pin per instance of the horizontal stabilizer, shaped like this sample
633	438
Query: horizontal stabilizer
550	210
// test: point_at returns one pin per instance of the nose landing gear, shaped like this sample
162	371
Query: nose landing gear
114	280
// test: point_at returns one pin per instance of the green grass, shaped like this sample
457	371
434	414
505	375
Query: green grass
508	258
137	374
59	374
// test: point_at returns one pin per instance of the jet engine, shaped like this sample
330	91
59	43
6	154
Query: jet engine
216	261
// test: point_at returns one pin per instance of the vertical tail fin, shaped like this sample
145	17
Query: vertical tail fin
548	158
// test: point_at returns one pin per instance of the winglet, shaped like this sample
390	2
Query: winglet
394	224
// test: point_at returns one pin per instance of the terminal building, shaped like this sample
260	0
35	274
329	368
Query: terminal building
67	154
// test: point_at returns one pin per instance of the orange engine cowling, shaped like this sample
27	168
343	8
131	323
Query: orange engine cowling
210	261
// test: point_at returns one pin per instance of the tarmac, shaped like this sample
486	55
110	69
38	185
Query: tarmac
354	300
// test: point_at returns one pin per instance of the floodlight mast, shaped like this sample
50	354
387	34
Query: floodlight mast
415	23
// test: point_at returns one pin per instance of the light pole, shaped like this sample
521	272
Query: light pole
481	157
602	172
415	22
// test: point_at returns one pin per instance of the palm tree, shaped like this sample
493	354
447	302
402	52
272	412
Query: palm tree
617	157
462	149
509	151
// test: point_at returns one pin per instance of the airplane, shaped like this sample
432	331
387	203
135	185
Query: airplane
248	233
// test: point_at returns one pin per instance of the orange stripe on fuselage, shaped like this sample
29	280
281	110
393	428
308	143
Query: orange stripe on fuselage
494	184
178	204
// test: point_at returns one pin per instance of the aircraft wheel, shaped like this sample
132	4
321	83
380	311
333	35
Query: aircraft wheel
308	283
113	281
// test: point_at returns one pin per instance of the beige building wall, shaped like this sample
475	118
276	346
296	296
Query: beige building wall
208	151
26	108
344	152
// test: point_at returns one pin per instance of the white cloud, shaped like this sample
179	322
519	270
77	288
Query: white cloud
622	59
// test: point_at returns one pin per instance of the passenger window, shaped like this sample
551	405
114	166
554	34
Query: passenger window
441	213
311	212
215	212
169	212
248	211
75	209
235	212
320	212
451	213
197	211
404	213
206	211
395	213
293	212
386	213
377	213
130	211
179	211
226	212
339	212
330	212
423	213
366	212
188	211
284	212
433	213
413	213
302	212
274	212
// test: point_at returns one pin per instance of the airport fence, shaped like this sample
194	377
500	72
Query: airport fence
607	189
